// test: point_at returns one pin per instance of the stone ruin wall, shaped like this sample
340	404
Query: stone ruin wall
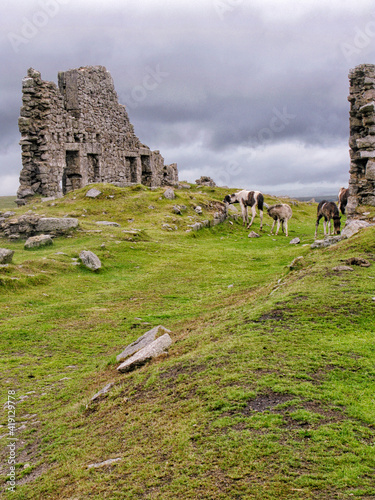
362	137
77	133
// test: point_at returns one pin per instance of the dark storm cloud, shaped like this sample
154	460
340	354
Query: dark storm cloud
221	87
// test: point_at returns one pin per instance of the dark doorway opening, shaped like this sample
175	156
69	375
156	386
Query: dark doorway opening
131	163
93	169
146	170
72	178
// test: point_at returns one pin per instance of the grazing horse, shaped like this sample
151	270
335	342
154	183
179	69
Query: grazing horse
343	199
280	213
248	199
329	211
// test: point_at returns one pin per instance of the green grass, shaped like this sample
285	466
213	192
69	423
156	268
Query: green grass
7	203
268	388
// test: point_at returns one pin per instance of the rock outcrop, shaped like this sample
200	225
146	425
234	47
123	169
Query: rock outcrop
29	225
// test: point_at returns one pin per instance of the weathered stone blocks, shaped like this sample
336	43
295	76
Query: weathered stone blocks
362	137
78	133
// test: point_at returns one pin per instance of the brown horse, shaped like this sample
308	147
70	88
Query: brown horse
329	211
343	199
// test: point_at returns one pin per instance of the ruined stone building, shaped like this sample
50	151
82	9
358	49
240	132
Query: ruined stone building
77	133
362	137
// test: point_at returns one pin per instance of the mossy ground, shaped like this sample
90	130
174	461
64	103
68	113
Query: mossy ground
268	388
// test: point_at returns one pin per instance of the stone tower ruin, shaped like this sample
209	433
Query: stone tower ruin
362	137
77	133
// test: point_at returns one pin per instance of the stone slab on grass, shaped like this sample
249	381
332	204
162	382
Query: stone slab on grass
153	350
38	241
142	342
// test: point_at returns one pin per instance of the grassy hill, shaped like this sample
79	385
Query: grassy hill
268	388
7	202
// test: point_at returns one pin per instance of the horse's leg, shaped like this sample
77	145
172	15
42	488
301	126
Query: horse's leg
278	226
324	226
261	219
253	213
244	213
273	225
286	228
316	225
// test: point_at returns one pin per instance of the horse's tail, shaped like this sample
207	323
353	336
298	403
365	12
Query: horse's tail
260	201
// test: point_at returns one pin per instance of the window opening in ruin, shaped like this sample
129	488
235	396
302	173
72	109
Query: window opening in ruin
146	170
361	167
93	168
131	162
72	178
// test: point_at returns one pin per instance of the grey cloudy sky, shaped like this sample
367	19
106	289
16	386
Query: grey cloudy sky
250	92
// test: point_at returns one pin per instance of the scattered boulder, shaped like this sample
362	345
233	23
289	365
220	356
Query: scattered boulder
204	180
198	210
107	223
111	461
90	260
197	226
343	268
253	234
142	342
99	395
328	241
176	210
352	227
6	256
153	350
41	240
169	194
295	241
168	227
297	263
93	193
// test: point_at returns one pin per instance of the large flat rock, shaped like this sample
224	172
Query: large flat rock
50	224
142	342
38	241
153	350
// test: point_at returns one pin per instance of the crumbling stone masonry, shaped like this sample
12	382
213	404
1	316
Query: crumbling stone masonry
77	133
362	137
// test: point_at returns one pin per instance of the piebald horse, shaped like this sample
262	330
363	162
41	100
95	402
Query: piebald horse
247	199
329	211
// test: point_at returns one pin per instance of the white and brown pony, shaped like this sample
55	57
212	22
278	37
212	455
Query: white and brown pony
343	199
330	212
247	199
